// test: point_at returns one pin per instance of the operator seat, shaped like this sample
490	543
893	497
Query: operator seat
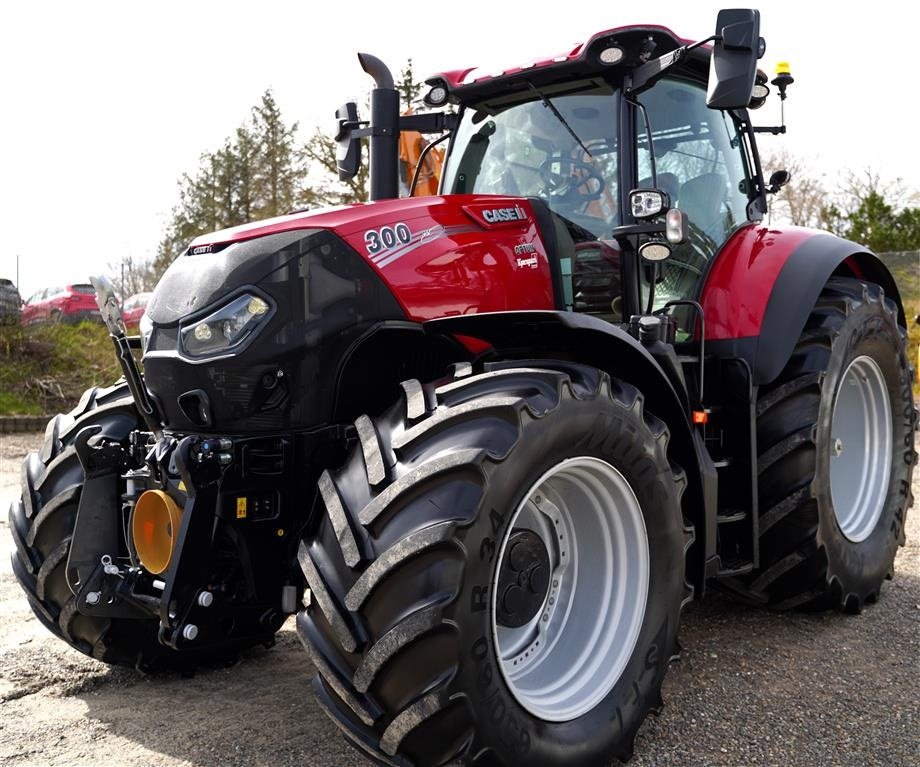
702	199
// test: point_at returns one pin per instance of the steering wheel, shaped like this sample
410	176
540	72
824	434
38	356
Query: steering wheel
571	179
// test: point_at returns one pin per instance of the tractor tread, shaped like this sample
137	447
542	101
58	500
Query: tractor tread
446	415
331	678
343	531
451	462
415	399
405	632
370	448
407	720
410	546
68	496
57	555
319	591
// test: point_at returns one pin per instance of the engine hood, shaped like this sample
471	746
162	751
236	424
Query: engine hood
343	218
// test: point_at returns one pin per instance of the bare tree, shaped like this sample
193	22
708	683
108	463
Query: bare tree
804	200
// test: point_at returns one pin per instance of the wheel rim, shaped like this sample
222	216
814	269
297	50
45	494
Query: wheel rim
560	663
860	448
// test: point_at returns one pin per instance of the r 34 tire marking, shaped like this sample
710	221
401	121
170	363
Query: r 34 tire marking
386	238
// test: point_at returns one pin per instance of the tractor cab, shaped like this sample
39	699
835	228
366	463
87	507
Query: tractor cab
633	115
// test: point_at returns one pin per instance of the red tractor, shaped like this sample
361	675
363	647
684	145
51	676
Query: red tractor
487	444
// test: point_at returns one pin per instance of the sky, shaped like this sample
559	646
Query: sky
106	104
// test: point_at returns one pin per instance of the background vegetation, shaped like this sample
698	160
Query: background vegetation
45	368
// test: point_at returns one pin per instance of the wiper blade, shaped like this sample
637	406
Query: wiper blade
549	105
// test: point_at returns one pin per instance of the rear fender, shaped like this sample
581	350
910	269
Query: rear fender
585	339
764	284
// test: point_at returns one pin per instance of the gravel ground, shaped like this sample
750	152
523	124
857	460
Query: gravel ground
751	688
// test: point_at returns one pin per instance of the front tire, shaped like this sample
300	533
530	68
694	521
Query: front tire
42	524
434	566
836	440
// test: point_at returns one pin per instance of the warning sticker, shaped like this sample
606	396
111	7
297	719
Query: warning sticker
241	507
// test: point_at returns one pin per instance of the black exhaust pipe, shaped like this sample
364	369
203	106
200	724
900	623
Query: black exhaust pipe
384	140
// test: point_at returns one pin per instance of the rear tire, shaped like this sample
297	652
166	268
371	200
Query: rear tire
835	434
403	624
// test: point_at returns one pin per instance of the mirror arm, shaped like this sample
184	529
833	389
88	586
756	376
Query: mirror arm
429	122
647	75
776	130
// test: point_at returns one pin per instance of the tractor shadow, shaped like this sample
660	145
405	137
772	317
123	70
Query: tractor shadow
260	711
751	686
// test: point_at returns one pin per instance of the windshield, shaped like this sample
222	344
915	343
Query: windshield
563	152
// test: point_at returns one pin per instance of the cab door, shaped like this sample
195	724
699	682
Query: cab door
701	163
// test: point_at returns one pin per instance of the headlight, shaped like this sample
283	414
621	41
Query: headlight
226	328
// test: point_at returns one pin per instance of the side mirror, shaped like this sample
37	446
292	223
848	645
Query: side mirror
733	66
348	153
778	180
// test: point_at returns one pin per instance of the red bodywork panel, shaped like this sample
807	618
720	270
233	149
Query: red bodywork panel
462	254
739	284
468	254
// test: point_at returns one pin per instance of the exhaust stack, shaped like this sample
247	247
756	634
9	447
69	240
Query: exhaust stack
384	139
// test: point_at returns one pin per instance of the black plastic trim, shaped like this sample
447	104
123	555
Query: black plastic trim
547	229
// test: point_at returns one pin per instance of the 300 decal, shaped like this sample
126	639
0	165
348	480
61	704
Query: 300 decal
378	240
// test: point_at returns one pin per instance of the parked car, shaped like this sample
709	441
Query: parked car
133	309
10	303
72	303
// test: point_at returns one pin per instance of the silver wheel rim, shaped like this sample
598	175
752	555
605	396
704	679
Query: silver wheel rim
860	448
567	658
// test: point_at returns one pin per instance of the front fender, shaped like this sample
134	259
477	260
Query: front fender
555	335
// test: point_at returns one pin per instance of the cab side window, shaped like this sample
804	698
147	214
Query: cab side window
700	163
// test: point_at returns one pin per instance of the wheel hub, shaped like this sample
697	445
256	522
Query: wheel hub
523	580
860	448
570	588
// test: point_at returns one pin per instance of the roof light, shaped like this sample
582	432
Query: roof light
437	95
612	55
760	91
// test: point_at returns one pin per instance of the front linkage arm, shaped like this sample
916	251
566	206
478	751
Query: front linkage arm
111	316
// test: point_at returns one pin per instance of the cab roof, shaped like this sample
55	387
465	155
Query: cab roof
639	43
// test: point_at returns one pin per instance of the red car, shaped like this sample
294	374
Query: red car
71	303
133	309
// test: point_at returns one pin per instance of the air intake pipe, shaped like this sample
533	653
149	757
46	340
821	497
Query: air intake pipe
384	140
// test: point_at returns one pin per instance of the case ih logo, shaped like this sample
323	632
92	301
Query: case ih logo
499	215
201	249
491	216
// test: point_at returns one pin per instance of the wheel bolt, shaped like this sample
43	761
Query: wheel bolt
93	597
190	632
838	447
205	599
